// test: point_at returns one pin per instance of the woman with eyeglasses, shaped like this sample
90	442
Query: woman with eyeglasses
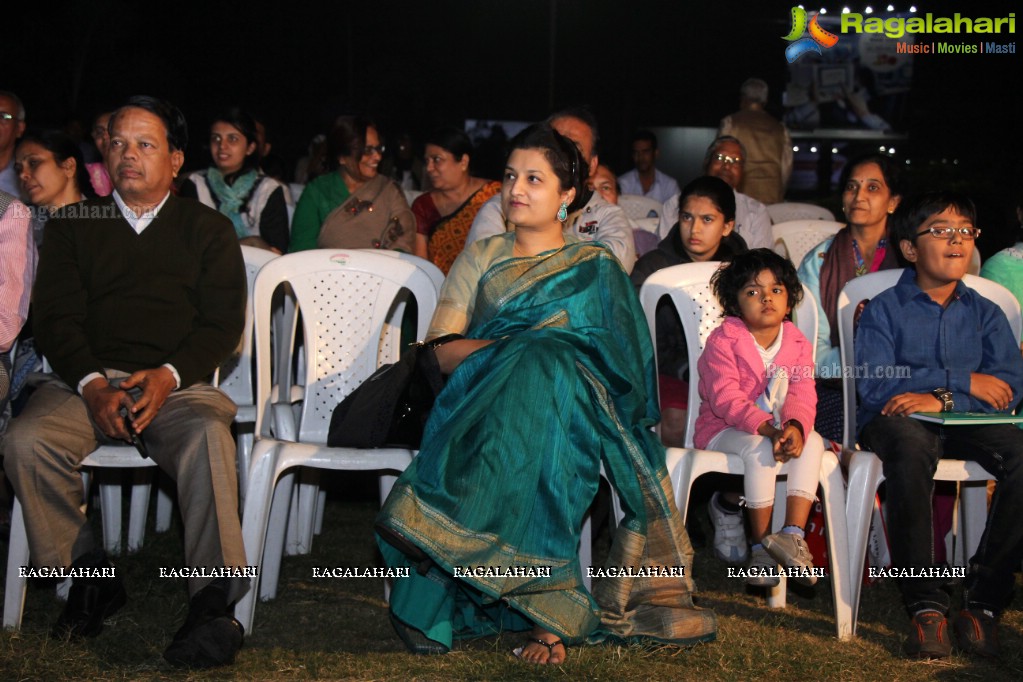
52	173
353	206
871	191
551	376
234	185
445	213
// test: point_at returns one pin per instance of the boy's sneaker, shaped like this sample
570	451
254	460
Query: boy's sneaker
976	633
762	570
792	553
729	532
928	636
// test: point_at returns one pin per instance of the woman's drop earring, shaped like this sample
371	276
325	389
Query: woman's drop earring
563	212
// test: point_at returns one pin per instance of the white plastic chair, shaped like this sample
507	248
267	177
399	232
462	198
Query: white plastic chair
235	374
106	457
645	224
796	238
301	529
975	263
411	195
639	207
789	210
352	304
865	469
688	288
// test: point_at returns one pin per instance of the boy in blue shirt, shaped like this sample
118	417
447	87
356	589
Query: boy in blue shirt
963	357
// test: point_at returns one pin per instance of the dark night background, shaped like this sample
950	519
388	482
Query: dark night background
419	64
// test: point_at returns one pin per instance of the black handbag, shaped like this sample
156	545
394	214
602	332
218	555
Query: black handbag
391	406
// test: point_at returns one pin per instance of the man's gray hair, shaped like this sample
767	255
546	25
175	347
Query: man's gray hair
718	141
754	90
20	113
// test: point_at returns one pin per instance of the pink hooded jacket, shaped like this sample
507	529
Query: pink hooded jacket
732	377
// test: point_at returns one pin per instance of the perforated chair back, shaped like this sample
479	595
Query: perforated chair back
790	210
435	274
236	377
796	238
638	207
351	304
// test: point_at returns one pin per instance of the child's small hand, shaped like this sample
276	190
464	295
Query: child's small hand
788	444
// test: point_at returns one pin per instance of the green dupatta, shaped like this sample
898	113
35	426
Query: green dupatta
511	462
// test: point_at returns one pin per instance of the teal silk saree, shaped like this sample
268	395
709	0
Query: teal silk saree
511	461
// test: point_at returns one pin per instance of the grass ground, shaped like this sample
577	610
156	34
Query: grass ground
338	629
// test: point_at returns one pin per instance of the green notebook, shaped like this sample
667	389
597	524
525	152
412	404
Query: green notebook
954	418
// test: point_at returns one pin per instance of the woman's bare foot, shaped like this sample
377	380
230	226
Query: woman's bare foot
543	648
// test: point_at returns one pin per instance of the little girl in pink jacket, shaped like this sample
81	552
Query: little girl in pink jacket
758	401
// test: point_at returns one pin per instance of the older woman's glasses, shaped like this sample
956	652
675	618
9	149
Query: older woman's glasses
5	116
372	149
969	233
728	160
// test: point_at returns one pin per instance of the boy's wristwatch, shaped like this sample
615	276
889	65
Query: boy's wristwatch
945	396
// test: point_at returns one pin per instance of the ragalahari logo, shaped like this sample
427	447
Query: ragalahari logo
801	44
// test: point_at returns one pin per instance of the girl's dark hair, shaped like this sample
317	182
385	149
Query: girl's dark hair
346	138
453	140
890	171
729	281
912	212
561	153
63	147
246	125
715	189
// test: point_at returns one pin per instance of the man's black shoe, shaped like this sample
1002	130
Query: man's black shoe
211	636
90	600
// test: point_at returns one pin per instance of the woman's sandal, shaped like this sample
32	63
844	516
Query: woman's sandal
517	651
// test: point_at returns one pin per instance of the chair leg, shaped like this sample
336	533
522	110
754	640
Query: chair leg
245	441
110	504
586	550
164	508
142	483
255	521
321	506
281	508
865	475
305	523
833	487
777	595
972	520
16	586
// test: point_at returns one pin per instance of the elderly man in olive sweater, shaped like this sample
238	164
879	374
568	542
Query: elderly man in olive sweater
138	298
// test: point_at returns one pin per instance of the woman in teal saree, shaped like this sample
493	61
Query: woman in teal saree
554	377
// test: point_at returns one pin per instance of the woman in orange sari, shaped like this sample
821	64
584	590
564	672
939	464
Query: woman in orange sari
445	213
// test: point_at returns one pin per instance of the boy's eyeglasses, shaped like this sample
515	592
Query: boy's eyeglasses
947	232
